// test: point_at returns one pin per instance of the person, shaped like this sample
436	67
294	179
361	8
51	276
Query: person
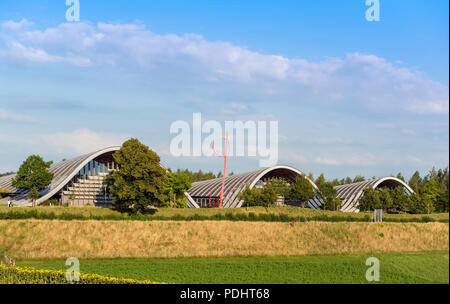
9	203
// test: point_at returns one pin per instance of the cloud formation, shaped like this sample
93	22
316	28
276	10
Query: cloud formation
82	141
6	115
356	80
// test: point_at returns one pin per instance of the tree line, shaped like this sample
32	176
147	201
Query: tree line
142	182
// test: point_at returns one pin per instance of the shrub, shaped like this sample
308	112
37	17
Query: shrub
50	203
28	275
258	197
302	190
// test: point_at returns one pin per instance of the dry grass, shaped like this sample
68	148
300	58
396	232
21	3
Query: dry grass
167	212
38	239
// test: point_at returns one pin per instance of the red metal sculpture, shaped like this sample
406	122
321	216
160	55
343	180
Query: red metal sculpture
225	157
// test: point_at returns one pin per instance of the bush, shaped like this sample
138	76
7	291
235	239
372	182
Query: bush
50	203
258	197
421	204
28	275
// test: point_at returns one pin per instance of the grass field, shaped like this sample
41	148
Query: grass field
41	239
429	267
256	213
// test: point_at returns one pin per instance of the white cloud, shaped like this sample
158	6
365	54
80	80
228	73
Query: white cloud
352	159
415	160
409	132
287	155
15	26
333	140
327	161
356	79
82	141
16	117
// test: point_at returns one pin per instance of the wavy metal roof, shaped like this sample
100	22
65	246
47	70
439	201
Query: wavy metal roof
235	184
63	174
351	193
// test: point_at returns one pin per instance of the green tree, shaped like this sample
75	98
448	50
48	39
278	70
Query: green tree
421	204
400	199
328	195
302	190
442	204
178	184
320	180
335	182
415	182
258	197
400	177
140	182
358	179
385	199
279	186
370	200
431	190
33	175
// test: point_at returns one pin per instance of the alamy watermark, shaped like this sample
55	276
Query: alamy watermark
373	272
73	273
373	12
250	138
73	12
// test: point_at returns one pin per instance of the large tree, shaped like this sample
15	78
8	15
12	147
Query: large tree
370	200
302	190
33	175
258	197
279	186
328	194
400	199
140	182
415	182
177	186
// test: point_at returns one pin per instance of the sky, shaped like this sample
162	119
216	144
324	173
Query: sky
351	97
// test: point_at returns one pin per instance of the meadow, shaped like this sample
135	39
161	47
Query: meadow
405	268
43	239
270	214
246	245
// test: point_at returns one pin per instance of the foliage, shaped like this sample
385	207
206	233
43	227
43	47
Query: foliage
328	195
258	197
320	180
401	177
358	179
279	186
33	175
415	182
4	192
28	275
400	199
178	184
421	204
302	190
140	182
49	203
285	214
370	200
431	190
197	176
442	204
385	198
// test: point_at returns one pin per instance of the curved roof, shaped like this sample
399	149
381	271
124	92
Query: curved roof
235	184
63	174
351	193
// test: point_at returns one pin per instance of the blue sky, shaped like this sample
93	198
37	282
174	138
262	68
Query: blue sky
351	96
